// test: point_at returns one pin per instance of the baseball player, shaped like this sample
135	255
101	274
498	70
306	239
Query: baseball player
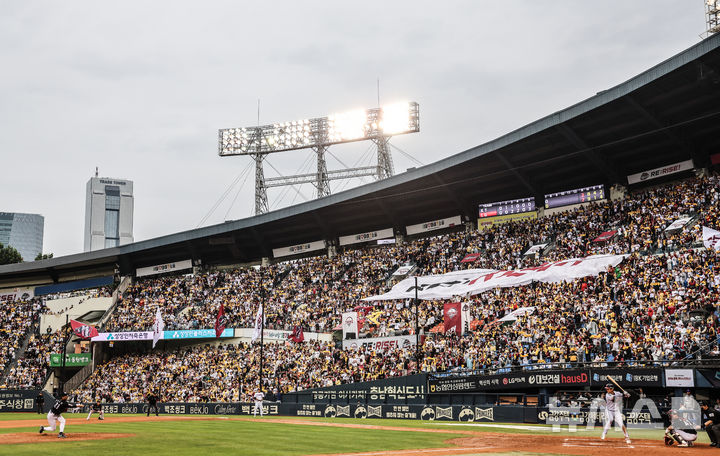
259	396
54	416
152	400
96	407
613	410
681	430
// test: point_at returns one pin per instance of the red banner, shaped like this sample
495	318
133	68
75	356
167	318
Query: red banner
83	330
470	258
220	321
297	335
452	318
605	236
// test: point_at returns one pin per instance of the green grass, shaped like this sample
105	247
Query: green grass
243	437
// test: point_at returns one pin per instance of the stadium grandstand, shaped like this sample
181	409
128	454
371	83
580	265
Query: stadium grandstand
311	303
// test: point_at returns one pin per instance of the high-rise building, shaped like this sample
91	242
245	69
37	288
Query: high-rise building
24	232
108	213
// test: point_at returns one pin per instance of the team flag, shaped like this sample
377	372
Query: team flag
83	330
297	335
158	327
452	318
220	321
711	238
258	324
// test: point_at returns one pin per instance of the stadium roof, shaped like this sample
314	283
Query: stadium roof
664	115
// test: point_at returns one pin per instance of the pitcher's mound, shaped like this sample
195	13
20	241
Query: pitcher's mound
34	437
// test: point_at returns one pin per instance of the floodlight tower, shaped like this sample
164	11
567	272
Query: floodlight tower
712	11
318	134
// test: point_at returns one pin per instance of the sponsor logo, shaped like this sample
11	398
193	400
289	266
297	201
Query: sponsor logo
452	312
343	410
374	411
542	416
225	409
644	176
360	412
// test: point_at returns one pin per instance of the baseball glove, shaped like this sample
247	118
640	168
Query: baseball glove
668	440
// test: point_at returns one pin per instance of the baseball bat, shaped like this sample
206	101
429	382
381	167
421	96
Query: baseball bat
616	384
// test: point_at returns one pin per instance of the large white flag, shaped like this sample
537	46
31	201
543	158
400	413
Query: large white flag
259	317
350	325
711	238
472	282
158	327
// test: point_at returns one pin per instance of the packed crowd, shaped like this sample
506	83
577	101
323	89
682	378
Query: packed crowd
32	370
17	320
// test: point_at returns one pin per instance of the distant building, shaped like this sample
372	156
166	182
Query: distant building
24	232
108	213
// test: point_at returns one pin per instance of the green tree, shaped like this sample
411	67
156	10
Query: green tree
43	256
9	255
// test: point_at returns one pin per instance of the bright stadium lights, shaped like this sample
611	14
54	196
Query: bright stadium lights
713	18
358	125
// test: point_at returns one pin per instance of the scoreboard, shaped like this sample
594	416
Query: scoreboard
507	207
577	196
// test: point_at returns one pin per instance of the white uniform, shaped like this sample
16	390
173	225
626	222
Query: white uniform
613	411
259	396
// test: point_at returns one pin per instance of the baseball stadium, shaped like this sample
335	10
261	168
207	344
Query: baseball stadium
553	291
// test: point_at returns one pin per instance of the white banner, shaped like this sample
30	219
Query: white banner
679	377
350	323
16	294
403	270
123	336
677	224
433	225
258	332
298	249
365	237
162	268
158	327
537	248
380	344
472	282
660	172
465	317
711	239
512	316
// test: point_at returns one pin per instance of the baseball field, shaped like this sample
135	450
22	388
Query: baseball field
195	436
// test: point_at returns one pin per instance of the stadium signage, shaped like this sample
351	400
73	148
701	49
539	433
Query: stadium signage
512	380
484	223
433	225
166	335
71	359
660	172
633	376
16	294
163	268
298	249
471	282
379	344
17	400
679	377
196	334
365	237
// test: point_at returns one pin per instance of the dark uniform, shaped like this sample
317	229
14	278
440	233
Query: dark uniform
711	421
54	416
152	403
40	402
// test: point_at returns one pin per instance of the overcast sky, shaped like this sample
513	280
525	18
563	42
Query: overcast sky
140	89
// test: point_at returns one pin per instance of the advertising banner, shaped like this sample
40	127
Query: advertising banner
166	335
471	282
365	237
379	344
71	359
510	380
484	223
660	172
16	294
163	268
433	225
18	400
298	249
679	378
406	389
628	376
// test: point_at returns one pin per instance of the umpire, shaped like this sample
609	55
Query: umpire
40	402
152	400
711	420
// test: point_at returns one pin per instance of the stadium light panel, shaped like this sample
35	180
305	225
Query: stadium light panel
357	125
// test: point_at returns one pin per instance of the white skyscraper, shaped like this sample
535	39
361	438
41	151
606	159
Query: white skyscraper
108	213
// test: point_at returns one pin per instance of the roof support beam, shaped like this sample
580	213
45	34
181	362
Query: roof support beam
519	174
600	162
